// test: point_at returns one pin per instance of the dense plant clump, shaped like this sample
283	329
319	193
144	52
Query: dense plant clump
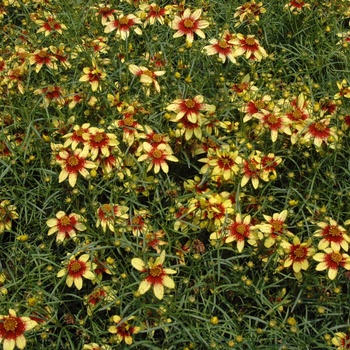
174	174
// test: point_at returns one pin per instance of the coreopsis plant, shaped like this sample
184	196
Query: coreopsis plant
274	228
297	6
66	226
298	254
332	234
98	142
239	230
93	75
123	330
12	329
74	163
156	275
122	24
154	13
50	24
41	58
222	47
77	268
341	340
248	46
147	77
332	259
7	214
157	157
249	12
188	24
111	215
191	108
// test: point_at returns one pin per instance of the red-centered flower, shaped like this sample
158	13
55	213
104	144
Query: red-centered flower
109	215
189	24
157	157
341	340
332	234
274	228
51	94
269	163
147	77
256	108
190	107
251	170
221	47
123	330
237	230
344	90
99	296
61	55
122	24
223	163
76	269
74	163
276	123
157	275
319	132
298	254
77	136
129	125
95	346
249	12
65	225
106	13
50	25
154	13
42	57
331	260
98	142
297	5
297	112
7	214
12	330
249	47
93	75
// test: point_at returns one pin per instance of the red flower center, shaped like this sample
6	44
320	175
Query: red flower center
106	208
98	137
157	138
277	226
272	119
73	161
65	221
188	23
10	324
190	103
241	229
336	257
320	127
155	8
155	271
157	154
129	121
297	114
123	20
223	44
299	252
75	266
148	73
250	41
335	232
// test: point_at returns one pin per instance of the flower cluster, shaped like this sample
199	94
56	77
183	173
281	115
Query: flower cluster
179	169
